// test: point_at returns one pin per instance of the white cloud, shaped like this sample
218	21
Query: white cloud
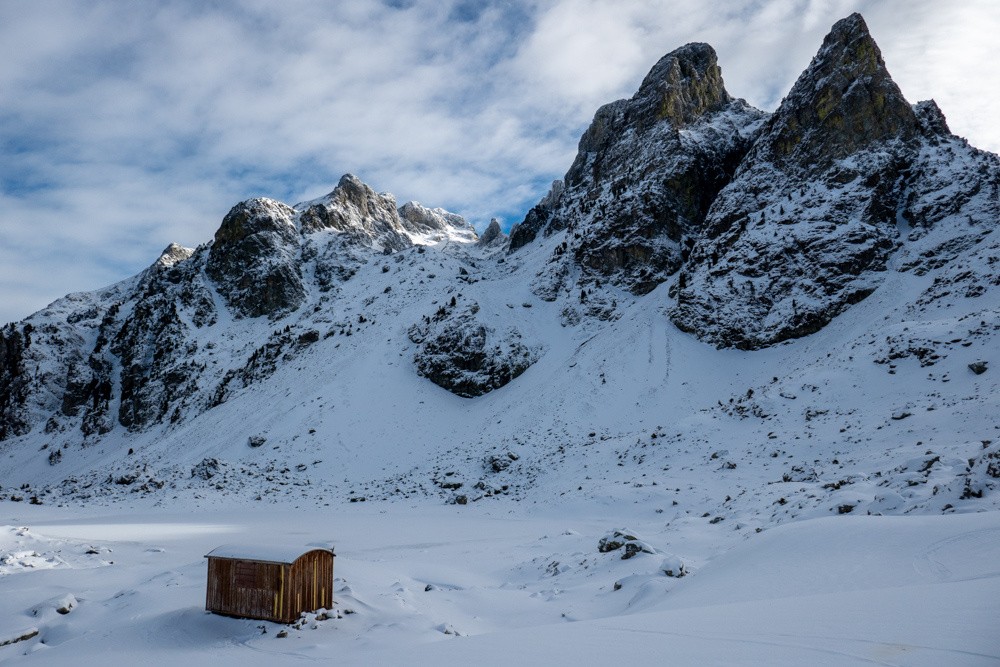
127	126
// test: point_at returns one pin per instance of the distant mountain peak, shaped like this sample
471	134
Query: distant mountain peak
173	254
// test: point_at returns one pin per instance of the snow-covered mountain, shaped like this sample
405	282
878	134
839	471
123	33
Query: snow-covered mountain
689	407
746	315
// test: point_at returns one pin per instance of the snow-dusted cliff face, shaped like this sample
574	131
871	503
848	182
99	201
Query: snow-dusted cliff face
356	349
146	351
773	225
648	169
844	178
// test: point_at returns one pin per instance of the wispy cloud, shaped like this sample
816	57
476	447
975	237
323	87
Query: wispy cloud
125	126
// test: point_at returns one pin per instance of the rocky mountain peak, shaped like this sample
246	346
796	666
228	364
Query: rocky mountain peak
253	259
172	255
646	172
353	206
683	86
843	102
434	224
493	234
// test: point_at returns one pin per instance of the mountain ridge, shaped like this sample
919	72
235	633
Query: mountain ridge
823	261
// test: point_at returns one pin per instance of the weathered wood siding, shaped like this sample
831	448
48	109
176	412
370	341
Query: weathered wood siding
311	583
270	591
243	588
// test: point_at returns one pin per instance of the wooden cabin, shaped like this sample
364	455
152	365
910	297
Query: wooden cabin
269	582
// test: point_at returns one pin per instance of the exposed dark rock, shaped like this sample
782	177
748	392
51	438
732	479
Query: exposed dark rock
493	234
614	540
459	353
14	382
646	173
622	539
931	119
253	260
978	367
207	469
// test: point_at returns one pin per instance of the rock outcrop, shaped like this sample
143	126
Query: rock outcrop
461	354
647	170
14	382
254	259
809	222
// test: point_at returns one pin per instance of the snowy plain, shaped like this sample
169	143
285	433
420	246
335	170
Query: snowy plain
454	585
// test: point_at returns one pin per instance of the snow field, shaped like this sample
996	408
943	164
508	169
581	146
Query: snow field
428	584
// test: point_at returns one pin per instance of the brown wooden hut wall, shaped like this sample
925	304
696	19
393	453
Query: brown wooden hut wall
311	583
243	588
270	591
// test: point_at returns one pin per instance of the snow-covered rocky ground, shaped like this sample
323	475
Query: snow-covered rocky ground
508	584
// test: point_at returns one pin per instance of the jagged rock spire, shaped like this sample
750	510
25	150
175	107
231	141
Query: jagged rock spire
843	102
683	86
492	233
638	187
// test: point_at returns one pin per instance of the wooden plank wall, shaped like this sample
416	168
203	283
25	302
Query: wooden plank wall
270	591
312	582
242	588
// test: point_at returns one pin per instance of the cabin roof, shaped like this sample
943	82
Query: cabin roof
266	553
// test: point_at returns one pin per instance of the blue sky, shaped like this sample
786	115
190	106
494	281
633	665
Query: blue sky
127	126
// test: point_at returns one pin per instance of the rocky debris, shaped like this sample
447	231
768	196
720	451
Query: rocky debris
978	367
623	540
66	604
254	259
207	468
500	462
21	636
981	474
672	566
461	354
